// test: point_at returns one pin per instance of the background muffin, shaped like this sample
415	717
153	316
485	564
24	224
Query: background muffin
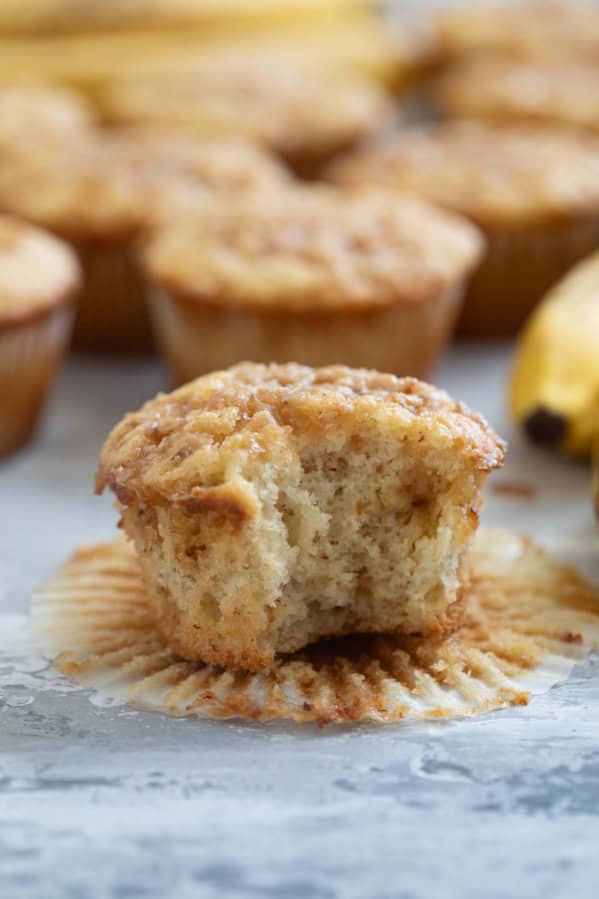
101	192
182	172
29	112
533	191
555	92
316	275
275	505
537	29
304	111
38	280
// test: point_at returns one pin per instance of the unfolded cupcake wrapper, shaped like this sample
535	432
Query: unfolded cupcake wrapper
519	267
113	315
404	338
30	354
529	618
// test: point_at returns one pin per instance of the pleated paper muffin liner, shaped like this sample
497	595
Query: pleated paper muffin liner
30	355
519	267
112	315
529	618
405	338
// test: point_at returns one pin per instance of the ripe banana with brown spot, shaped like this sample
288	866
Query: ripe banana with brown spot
554	391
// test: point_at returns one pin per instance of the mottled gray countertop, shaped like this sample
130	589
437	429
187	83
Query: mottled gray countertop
109	802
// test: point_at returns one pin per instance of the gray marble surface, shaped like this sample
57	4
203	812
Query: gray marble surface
109	802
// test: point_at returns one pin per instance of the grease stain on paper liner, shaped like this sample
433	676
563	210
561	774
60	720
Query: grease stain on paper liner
529	618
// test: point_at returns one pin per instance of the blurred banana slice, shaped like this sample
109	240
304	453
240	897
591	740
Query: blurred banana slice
31	17
90	62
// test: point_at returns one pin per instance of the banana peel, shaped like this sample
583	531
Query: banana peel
554	390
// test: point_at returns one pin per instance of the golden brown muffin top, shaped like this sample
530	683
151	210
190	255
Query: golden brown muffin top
37	272
493	173
81	189
283	101
498	88
315	249
534	29
183	171
108	185
226	163
39	110
178	447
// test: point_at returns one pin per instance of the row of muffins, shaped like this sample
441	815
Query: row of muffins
532	62
323	274
100	190
533	192
248	263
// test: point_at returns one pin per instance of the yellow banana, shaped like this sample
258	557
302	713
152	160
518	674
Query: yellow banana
554	392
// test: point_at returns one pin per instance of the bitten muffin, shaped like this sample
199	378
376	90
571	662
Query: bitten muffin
38	281
303	110
272	506
101	192
534	191
507	90
315	275
37	112
538	29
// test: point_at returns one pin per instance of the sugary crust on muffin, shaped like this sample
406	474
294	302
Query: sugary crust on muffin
223	163
498	88
281	100
25	109
107	185
315	249
186	447
82	189
538	28
494	174
37	272
183	173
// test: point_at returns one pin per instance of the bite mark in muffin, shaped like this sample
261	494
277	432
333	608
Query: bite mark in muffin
272	506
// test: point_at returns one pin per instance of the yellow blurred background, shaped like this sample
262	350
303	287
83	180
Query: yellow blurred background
91	45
